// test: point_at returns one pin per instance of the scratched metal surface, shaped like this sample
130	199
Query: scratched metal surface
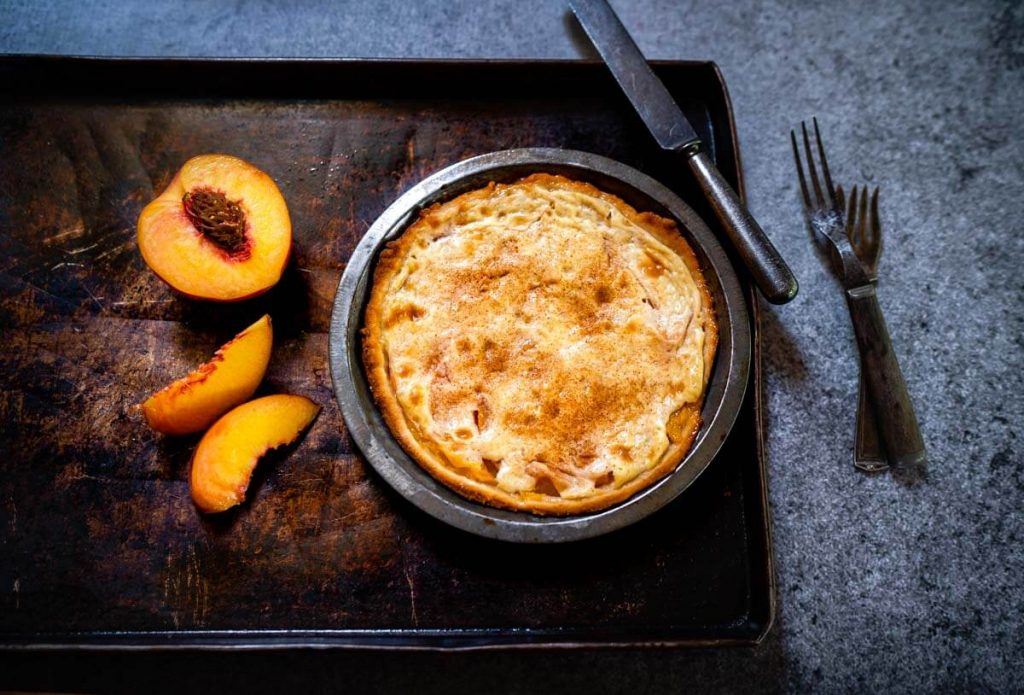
98	531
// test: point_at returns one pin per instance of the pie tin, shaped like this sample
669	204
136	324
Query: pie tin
724	395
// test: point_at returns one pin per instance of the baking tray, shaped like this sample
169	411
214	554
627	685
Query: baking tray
100	545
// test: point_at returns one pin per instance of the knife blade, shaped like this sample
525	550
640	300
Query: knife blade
673	131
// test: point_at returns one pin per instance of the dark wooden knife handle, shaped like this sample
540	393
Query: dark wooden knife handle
770	272
887	389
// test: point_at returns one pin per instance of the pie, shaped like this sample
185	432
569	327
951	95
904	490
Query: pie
540	345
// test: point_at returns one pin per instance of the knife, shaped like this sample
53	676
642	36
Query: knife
673	132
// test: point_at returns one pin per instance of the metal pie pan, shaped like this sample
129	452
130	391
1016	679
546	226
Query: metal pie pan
371	434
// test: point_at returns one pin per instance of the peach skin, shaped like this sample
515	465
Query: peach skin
220	231
231	376
223	463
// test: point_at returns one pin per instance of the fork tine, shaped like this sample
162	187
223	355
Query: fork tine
841	203
812	171
800	171
851	231
824	163
876	225
862	218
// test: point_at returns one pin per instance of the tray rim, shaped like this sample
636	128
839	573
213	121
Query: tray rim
11	64
16	60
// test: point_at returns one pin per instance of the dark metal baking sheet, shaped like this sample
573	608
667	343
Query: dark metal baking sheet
100	546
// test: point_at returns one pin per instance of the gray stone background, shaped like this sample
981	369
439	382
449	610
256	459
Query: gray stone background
881	587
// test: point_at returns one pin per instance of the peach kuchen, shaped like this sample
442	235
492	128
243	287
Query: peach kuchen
541	346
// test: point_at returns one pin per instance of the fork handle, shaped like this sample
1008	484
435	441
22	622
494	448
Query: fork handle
868	454
770	272
887	389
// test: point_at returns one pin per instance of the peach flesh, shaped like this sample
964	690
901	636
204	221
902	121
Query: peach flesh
227	455
231	376
219	232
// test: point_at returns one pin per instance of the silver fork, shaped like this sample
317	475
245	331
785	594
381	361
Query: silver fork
865	234
887	390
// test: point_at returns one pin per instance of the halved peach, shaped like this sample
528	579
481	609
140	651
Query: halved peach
227	454
220	231
231	376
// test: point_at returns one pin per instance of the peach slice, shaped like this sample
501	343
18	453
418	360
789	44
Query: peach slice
220	231
231	376
227	454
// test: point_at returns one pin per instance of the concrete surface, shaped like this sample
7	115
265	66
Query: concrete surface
882	587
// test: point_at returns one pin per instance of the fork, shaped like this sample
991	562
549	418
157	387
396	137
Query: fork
865	235
887	390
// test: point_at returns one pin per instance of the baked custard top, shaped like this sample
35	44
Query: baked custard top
540	345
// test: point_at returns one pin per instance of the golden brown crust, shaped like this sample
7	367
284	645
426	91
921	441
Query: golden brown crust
479	482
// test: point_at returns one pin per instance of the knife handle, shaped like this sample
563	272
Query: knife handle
770	272
897	422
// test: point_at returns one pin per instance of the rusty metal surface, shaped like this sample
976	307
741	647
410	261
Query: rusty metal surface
99	541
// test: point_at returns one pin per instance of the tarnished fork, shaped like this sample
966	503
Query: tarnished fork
864	230
887	390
